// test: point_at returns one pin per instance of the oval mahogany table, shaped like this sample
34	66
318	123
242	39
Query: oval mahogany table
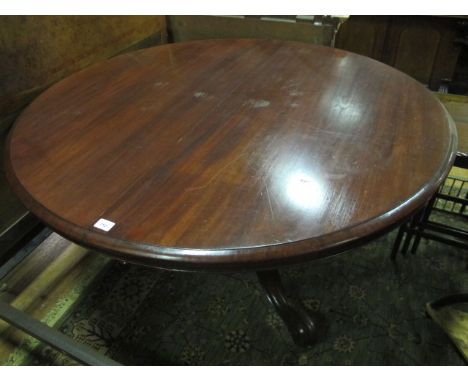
231	155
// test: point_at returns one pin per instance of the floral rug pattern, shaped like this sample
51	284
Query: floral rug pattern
370	311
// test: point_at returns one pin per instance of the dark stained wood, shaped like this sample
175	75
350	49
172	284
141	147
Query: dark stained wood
300	324
230	154
364	35
422	46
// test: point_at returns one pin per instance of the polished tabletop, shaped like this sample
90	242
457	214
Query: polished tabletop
229	153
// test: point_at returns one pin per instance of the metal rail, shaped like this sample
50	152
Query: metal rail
54	338
19	319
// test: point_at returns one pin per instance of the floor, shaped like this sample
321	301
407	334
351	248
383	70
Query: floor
370	310
45	285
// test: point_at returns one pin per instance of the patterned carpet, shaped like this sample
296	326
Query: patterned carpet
371	313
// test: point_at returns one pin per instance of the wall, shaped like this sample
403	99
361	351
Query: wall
39	50
185	28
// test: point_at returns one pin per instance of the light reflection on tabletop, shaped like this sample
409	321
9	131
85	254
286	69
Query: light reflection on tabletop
303	191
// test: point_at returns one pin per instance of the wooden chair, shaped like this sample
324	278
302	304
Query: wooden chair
447	313
420	225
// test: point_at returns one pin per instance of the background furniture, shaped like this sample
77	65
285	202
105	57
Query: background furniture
427	48
447	314
452	192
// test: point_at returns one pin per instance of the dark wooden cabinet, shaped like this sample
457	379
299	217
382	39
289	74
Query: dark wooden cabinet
425	47
363	35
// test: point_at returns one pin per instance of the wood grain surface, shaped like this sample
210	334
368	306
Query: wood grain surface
230	154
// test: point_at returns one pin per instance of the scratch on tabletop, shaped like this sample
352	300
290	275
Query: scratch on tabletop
217	173
269	201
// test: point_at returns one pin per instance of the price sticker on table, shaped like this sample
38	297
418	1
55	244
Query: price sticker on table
104	224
